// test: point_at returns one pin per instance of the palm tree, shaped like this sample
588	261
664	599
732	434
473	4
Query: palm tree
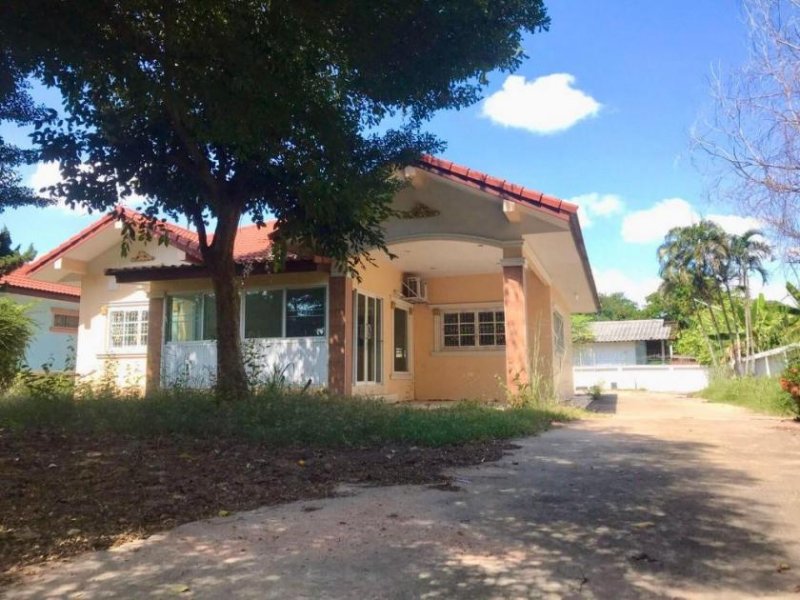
747	254
697	256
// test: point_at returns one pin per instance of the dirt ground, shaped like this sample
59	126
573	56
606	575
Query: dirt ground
661	497
62	495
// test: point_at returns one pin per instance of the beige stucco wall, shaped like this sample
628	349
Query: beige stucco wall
384	280
563	365
99	293
456	374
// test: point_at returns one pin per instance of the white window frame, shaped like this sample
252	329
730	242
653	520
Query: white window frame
139	348
466	308
397	304
379	345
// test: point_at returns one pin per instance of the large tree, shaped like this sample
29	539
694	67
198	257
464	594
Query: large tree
12	257
17	107
617	307
747	254
695	257
753	135
217	109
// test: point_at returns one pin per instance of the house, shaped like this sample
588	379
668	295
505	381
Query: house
54	310
617	343
479	296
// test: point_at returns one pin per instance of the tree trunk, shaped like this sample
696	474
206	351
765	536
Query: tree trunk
738	348
231	376
708	341
748	318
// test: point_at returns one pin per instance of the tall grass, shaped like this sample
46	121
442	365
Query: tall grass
761	394
279	419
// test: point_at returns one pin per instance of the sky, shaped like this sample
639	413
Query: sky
598	114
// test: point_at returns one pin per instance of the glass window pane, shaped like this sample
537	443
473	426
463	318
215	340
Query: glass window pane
371	333
305	313
485	317
400	340
360	336
451	341
209	317
263	314
183	315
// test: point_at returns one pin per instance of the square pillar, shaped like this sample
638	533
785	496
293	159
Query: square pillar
155	341
515	308
340	338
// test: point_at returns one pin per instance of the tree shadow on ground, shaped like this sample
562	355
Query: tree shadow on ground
575	513
649	519
606	404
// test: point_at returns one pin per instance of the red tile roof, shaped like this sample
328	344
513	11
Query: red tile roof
254	243
18	283
499	187
517	193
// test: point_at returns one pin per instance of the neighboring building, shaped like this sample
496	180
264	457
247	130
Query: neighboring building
616	343
54	309
486	276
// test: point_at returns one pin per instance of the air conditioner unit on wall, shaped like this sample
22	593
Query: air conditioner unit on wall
414	290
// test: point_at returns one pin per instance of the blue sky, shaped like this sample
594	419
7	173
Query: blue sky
599	113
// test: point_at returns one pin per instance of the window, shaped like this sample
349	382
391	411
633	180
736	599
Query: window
305	312
191	317
368	321
64	321
263	314
473	329
401	340
559	342
127	329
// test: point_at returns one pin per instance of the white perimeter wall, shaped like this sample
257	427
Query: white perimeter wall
654	378
608	353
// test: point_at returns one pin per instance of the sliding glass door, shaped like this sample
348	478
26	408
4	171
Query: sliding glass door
368	346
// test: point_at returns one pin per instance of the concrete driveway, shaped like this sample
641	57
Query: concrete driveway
662	497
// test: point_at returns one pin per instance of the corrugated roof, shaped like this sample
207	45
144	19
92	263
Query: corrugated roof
631	331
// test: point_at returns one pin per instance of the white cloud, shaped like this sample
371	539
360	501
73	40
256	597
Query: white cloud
596	205
544	105
652	224
774	289
47	174
610	281
735	224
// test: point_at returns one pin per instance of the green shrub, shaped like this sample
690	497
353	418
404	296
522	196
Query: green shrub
790	380
16	331
761	394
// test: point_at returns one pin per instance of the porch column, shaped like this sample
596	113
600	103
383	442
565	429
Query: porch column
155	340
514	306
340	339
